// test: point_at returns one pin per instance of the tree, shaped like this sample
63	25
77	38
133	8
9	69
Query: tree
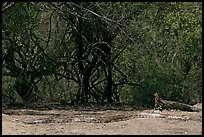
104	52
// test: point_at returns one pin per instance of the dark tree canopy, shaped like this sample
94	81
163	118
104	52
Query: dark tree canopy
102	52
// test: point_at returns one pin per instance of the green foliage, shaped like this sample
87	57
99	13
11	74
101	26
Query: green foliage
154	47
20	18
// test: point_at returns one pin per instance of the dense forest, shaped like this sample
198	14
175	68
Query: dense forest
101	52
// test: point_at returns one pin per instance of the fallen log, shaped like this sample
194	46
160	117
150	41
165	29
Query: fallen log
166	104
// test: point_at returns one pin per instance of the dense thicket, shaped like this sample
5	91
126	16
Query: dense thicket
82	52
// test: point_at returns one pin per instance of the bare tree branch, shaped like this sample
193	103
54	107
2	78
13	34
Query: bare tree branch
7	5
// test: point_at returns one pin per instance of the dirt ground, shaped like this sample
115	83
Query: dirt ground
100	122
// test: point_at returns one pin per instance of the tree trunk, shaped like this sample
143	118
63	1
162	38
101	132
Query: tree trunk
109	80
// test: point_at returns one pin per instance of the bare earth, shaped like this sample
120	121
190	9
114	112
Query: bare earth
106	122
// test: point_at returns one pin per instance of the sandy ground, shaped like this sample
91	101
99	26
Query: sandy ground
107	122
